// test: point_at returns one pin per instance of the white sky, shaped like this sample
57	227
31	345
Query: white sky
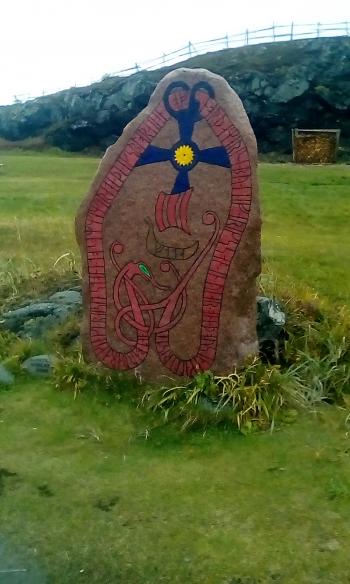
46	45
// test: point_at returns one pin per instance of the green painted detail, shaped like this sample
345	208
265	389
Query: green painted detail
143	268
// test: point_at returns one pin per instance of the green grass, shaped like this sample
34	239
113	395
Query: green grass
95	492
306	236
306	215
100	497
39	195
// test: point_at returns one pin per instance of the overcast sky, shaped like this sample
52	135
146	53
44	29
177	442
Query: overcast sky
47	45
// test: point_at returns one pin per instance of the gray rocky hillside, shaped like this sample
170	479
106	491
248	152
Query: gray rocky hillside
304	83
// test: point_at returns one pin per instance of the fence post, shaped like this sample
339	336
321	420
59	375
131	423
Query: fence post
137	67
318	29
226	39
273	32
291	31
190	48
347	28
247	37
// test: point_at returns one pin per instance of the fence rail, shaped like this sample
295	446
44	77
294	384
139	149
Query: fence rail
274	33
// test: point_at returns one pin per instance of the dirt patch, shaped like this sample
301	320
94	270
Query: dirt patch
45	491
107	504
5	474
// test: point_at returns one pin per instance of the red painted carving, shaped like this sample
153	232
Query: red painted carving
171	210
134	311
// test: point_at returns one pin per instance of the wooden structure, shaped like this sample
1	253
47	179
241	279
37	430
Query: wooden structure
315	146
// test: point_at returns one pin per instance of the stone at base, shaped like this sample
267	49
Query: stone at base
66	297
35	319
40	365
6	377
271	319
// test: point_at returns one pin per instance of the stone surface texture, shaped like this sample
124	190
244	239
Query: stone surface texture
35	319
39	365
6	377
170	235
270	319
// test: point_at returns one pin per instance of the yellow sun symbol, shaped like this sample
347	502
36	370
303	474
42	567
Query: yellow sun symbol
184	155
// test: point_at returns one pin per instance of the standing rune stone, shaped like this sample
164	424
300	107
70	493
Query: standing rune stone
170	235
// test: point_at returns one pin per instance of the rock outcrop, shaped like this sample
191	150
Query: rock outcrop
35	318
303	83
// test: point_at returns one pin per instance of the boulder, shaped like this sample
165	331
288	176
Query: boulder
271	320
67	297
39	365
35	319
170	235
6	377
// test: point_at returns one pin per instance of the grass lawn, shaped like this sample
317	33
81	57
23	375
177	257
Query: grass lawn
95	500
88	493
306	234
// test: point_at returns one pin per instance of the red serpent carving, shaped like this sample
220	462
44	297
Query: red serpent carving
139	313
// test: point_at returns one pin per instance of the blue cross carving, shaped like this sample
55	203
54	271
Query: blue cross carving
186	120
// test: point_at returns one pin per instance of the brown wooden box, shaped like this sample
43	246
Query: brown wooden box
315	146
